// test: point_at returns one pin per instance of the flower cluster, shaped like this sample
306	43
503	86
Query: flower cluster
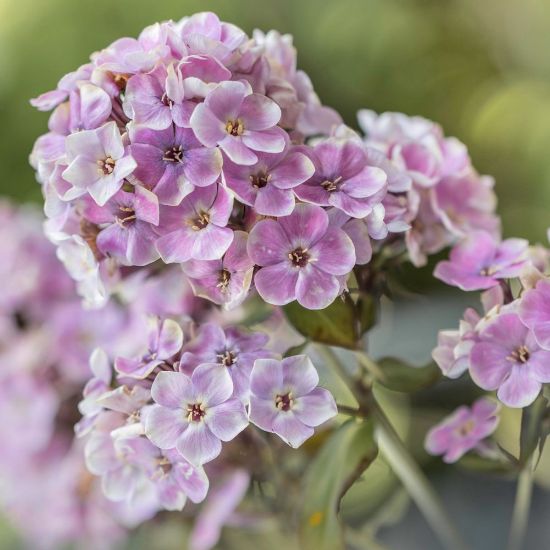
506	349
176	146
434	188
45	340
151	429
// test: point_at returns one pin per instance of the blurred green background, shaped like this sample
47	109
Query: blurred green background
480	68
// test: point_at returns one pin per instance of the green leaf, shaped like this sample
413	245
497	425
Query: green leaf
343	458
296	350
402	377
531	428
334	325
481	464
366	312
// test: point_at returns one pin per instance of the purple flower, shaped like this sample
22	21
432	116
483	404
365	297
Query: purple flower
128	55
194	414
267	185
98	162
233	350
164	341
239	122
225	496
463	430
204	33
130	235
225	281
301	257
534	311
285	399
344	179
172	162
480	261
452	353
176	480
196	228
121	463
156	100
357	230
99	384
466	202
507	358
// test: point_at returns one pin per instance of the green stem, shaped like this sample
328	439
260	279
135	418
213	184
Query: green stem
349	411
398	456
411	475
522	504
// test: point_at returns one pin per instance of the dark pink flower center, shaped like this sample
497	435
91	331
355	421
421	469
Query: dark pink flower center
174	154
465	429
166	100
195	412
234	127
299	257
487	271
89	232
126	214
106	166
260	180
201	221
223	280
284	402
227	358
331	185
164	467
520	355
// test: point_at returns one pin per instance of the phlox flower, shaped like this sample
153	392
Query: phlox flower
301	257
98	162
464	430
507	358
194	414
239	121
196	228
480	261
343	178
164	341
285	398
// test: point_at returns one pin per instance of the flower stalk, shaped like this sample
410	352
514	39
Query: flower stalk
396	453
522	505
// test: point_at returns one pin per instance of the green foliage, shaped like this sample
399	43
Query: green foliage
402	377
334	325
342	459
531	435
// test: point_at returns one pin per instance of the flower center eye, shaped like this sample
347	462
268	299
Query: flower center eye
120	81
227	358
224	278
174	154
299	257
164	467
331	185
234	127
89	232
201	221
487	271
284	402
260	180
106	166
166	100
520	355
466	428
195	412
126	215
